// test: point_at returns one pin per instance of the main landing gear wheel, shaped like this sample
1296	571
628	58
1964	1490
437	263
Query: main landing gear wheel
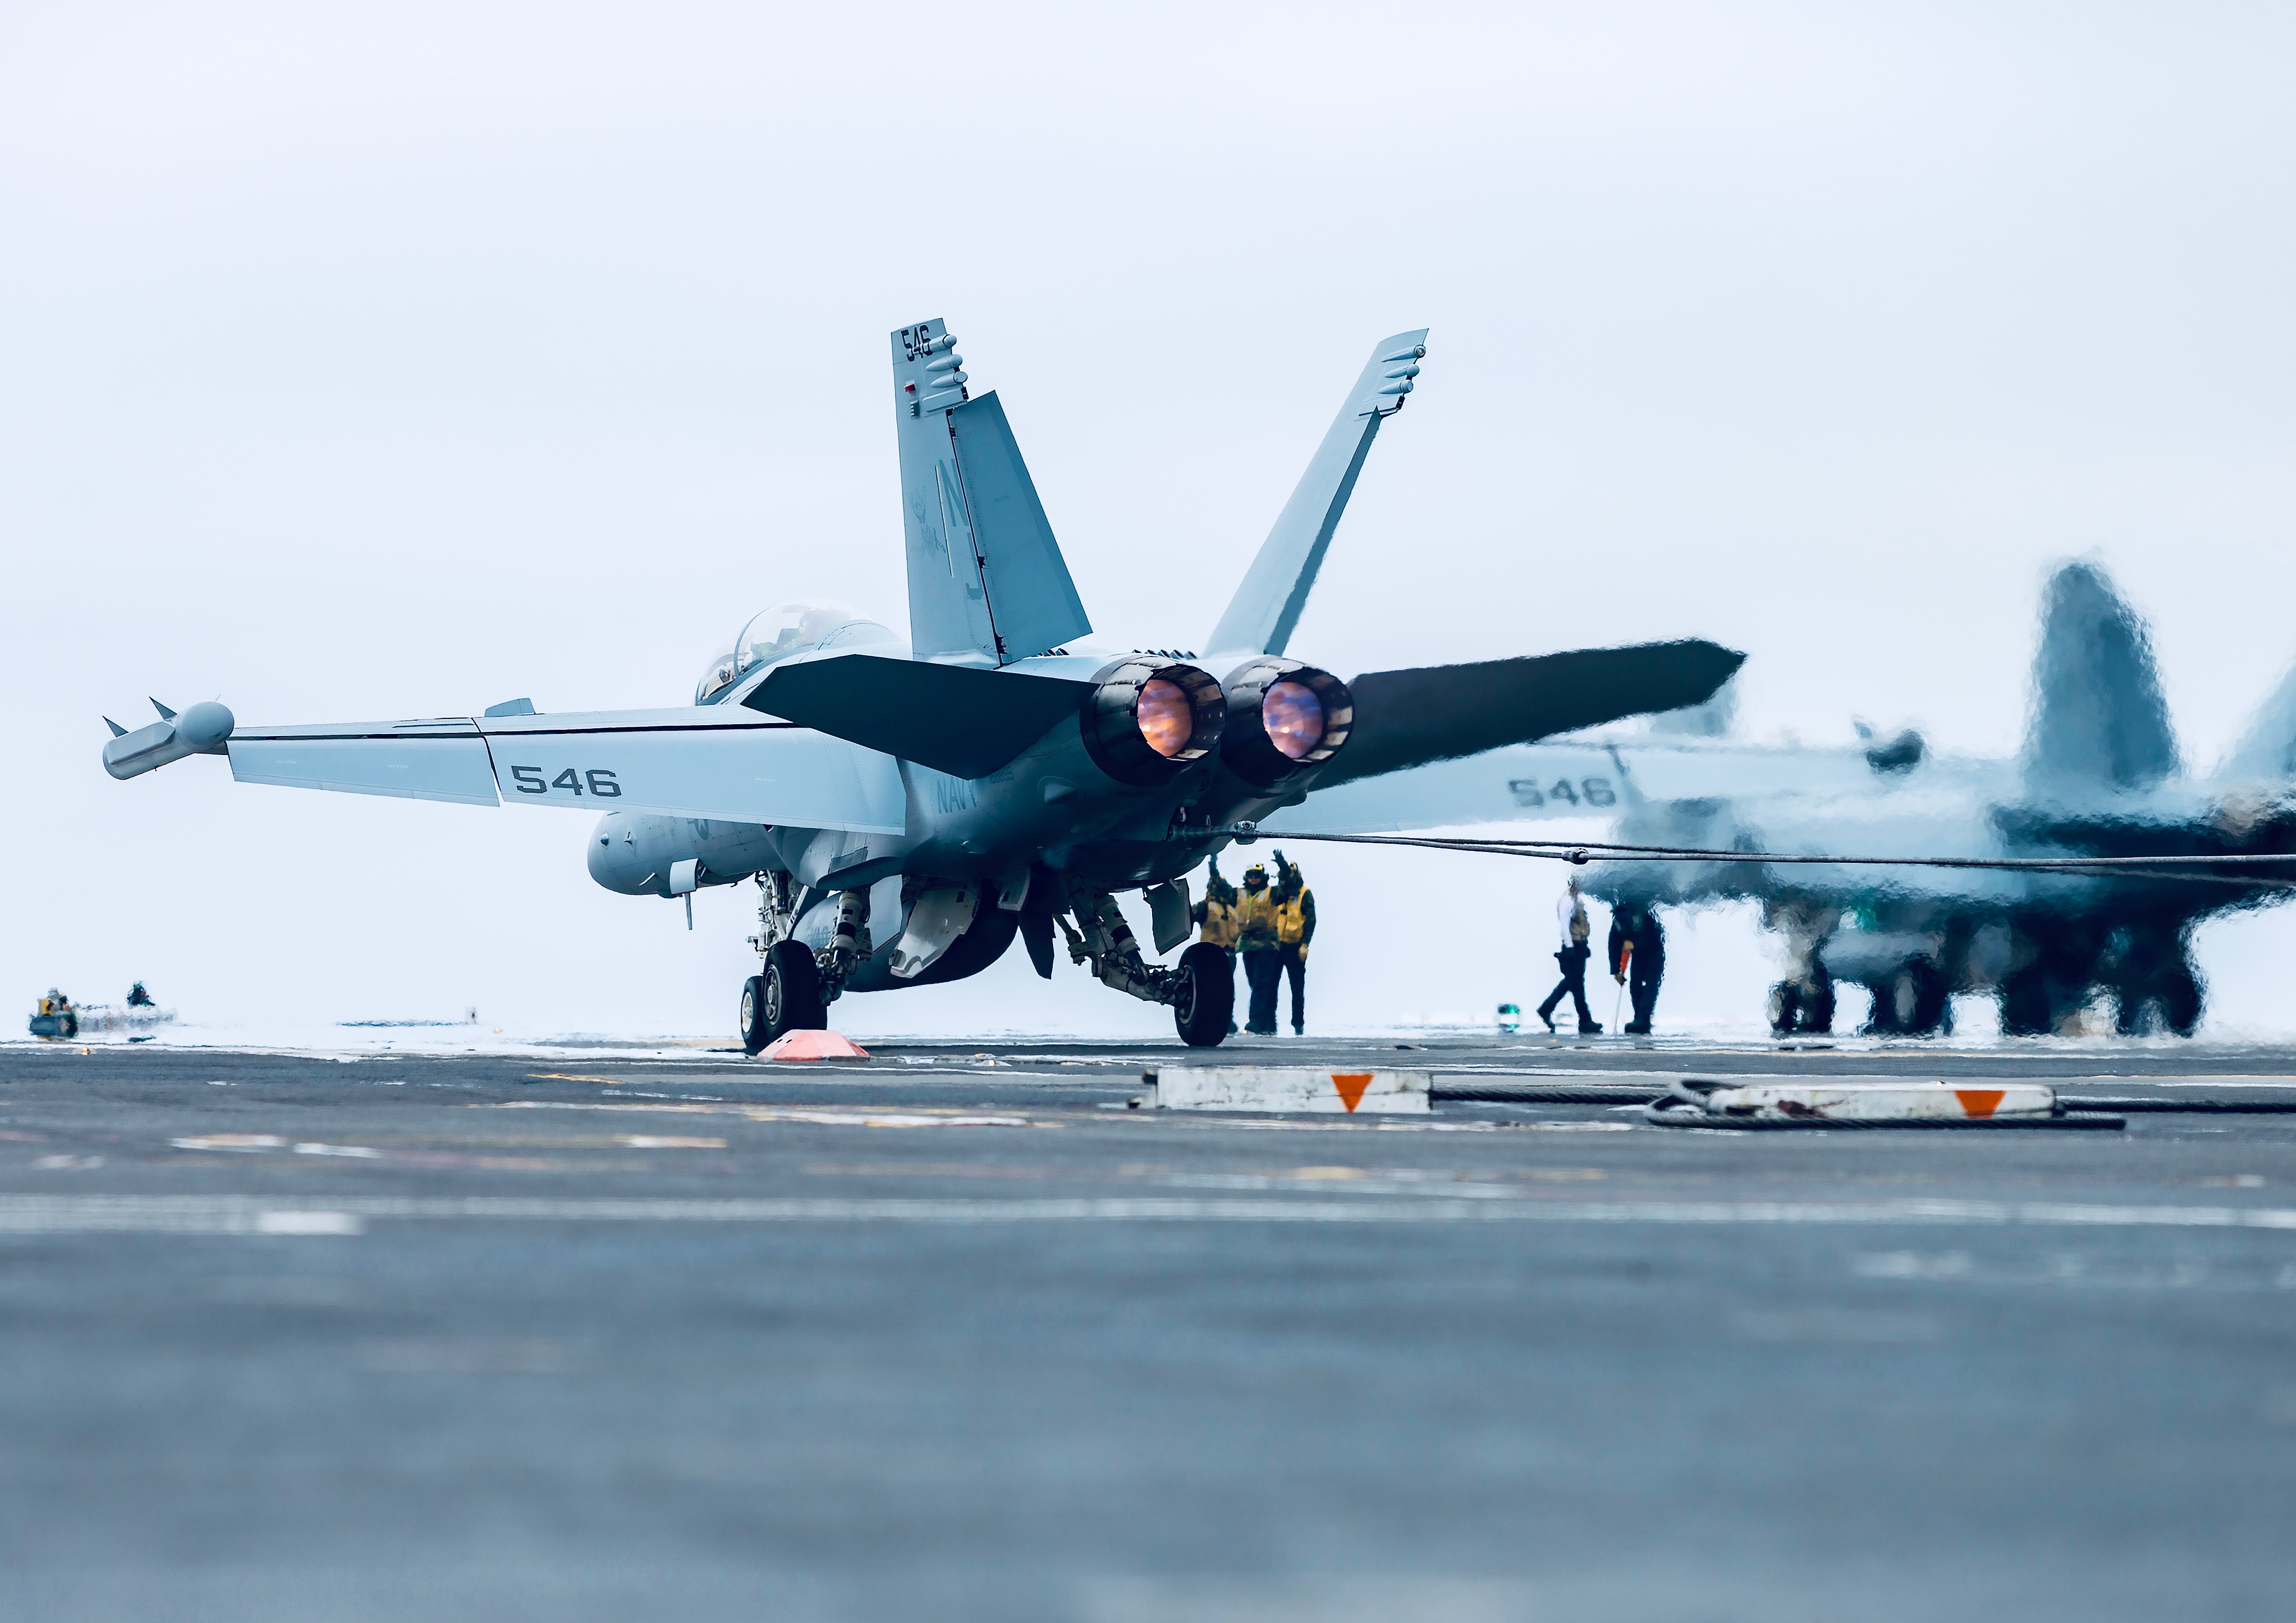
1203	1000
753	1016
786	998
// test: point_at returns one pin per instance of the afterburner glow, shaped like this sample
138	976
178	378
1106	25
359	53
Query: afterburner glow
1293	717
1167	719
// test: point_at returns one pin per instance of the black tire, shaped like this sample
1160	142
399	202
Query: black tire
1798	1010
1932	999
2025	1010
2180	1001
1913	1002
753	1014
792	991
1203	1002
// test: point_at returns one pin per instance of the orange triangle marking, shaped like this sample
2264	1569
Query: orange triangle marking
1351	1085
1979	1102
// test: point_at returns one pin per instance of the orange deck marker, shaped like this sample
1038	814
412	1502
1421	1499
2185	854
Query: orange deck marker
1979	1102
814	1045
1351	1085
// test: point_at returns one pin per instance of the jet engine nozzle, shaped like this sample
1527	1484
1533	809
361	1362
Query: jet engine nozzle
1147	719
1283	717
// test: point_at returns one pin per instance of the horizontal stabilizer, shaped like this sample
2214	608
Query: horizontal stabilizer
954	719
1408	718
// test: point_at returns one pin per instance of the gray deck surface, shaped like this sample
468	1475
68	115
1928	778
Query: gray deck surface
955	1341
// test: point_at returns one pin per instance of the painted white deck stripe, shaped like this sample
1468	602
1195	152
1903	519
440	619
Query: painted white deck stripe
252	1215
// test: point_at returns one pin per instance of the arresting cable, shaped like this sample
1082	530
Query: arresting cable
1579	853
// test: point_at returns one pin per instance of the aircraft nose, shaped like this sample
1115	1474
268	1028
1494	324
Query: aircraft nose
616	861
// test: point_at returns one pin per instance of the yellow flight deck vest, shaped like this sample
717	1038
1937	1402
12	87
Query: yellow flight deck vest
1221	925
1256	914
1289	926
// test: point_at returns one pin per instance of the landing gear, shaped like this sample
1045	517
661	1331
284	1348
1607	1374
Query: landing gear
786	998
796	985
1802	1003
2154	986
1101	937
1915	1003
1203	995
754	1037
2046	992
1803	1007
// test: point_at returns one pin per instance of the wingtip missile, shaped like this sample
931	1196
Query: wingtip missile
203	729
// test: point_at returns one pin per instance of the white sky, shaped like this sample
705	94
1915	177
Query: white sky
360	362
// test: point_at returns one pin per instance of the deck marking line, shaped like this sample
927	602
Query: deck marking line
245	1214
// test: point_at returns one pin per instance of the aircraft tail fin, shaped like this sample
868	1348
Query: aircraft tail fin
2099	717
1265	608
2267	751
985	575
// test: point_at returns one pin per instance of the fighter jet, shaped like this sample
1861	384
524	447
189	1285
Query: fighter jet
2099	774
908	807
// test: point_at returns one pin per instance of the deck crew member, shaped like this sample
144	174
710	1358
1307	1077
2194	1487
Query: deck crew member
1263	968
1218	920
1295	927
1572	953
1638	960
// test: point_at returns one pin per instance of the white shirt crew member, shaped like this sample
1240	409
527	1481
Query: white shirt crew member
1570	910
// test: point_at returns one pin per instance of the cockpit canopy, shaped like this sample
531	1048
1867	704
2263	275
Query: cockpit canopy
782	631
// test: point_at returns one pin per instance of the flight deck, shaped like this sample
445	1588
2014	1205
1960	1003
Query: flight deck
960	1333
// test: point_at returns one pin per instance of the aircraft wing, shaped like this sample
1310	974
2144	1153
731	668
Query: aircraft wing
1504	786
732	766
1582	778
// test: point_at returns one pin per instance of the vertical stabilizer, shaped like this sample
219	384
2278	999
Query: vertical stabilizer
2099	718
2267	752
985	575
1266	607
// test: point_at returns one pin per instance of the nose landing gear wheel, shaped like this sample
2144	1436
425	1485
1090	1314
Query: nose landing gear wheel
1203	1001
786	998
753	1016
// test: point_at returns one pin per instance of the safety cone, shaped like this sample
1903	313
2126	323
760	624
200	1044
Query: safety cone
814	1045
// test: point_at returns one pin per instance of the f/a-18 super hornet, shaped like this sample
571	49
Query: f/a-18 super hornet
907	808
2099	776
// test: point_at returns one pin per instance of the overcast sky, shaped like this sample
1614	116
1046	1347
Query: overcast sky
364	362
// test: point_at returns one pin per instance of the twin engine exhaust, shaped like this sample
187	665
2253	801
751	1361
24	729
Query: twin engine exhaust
1149	718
